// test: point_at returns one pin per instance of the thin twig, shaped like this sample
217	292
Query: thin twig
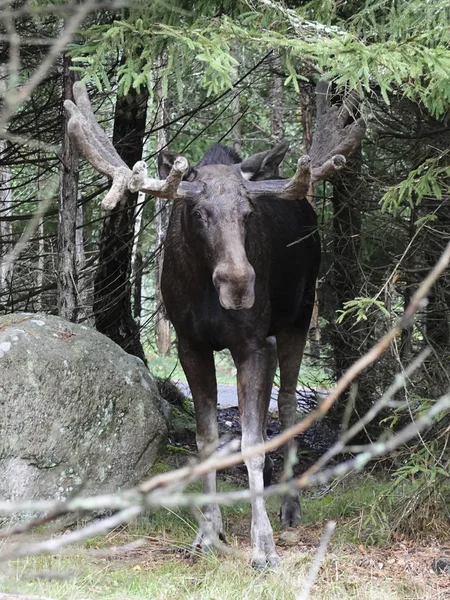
98	527
398	383
16	98
318	560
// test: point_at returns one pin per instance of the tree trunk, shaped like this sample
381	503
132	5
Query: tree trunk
406	336
276	101
437	316
67	214
136	260
84	291
307	108
162	221
345	273
6	233
137	293
40	266
235	106
112	286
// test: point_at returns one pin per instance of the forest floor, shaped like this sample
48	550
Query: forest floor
150	559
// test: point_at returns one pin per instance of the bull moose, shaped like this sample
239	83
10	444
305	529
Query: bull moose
241	259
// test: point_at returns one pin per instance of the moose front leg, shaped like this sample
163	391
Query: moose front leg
198	365
255	372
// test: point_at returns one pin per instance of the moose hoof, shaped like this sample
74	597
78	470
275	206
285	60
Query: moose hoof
264	553
206	541
210	532
290	513
264	563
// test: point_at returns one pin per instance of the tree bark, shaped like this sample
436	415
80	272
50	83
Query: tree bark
235	106
6	232
136	260
276	101
307	108
437	315
162	221
67	213
345	273
84	281
112	286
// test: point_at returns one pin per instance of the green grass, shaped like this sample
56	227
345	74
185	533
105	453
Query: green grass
170	367
157	570
210	578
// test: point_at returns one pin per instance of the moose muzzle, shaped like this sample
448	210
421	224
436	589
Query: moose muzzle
235	285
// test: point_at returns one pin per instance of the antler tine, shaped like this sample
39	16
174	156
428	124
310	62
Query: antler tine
350	106
79	132
325	171
297	186
285	189
163	188
95	146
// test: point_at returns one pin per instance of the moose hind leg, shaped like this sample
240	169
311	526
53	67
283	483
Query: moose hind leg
198	365
290	346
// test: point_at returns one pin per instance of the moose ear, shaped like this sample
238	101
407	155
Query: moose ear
165	164
264	165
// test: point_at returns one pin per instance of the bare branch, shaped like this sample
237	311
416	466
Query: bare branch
54	544
176	497
380	448
167	489
16	97
318	560
8	261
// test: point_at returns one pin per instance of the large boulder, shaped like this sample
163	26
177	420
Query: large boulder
77	413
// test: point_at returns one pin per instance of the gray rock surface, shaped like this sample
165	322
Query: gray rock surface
77	413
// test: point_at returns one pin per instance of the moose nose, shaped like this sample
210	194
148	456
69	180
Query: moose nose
235	286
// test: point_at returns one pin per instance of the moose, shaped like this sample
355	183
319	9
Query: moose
242	254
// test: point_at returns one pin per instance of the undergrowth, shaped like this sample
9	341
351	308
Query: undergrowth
147	559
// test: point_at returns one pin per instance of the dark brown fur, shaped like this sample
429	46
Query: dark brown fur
220	249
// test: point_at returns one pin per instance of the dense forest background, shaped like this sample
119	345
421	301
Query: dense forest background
186	75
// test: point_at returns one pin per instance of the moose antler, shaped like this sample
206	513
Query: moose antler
95	146
334	139
337	135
